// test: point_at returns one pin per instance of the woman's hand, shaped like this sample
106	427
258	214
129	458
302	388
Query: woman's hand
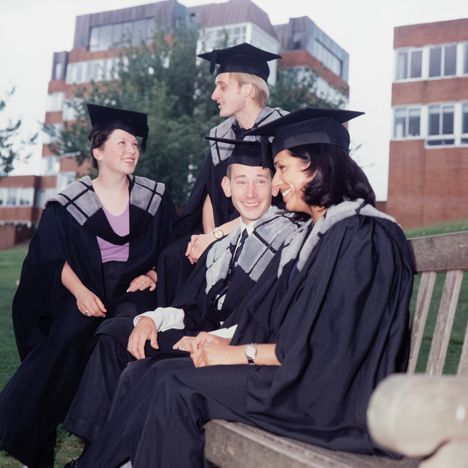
192	343
142	282
86	301
197	245
89	304
213	354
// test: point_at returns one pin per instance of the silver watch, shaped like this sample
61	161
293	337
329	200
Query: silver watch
251	353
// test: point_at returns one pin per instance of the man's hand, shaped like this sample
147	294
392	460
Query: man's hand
144	330
211	354
142	282
89	304
197	245
192	343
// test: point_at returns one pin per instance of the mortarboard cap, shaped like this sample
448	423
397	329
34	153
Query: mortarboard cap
308	126
246	152
132	122
243	58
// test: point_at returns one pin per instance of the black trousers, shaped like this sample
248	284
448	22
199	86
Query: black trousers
90	408
159	422
36	398
173	270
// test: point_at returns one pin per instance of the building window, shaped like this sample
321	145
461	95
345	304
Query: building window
328	58
224	36
54	102
121	34
443	60
440	125
465	58
409	64
26	196
407	122
464	136
11	196
58	71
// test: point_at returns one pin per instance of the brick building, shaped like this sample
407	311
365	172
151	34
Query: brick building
98	41
428	171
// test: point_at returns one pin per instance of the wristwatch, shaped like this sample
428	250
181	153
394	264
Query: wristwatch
251	353
218	233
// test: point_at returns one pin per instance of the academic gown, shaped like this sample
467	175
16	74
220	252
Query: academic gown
50	331
340	325
203	311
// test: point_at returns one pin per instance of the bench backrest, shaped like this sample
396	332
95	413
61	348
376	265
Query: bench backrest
437	255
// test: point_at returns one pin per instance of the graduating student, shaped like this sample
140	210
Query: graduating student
325	323
91	258
225	274
241	93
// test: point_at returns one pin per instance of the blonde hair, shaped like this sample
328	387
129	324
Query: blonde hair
260	87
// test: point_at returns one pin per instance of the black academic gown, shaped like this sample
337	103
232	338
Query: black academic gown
340	326
50	331
87	416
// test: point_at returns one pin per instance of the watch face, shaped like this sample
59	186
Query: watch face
251	352
218	233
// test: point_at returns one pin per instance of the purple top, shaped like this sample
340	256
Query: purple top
121	226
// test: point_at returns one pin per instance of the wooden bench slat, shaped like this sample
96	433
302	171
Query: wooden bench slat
237	445
423	302
463	364
445	317
441	253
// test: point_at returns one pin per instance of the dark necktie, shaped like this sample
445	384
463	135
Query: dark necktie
240	246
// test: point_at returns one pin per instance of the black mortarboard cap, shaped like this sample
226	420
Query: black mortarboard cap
308	126
243	58
103	117
246	152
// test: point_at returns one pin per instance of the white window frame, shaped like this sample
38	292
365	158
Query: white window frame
407	110
442	61
442	136
410	51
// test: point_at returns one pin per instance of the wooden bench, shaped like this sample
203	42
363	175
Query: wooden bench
238	445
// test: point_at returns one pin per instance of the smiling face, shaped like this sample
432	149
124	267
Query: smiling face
250	190
290	179
230	95
119	153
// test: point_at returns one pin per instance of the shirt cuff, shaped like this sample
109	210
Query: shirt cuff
165	318
224	332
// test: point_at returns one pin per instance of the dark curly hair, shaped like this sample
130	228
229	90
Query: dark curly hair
97	139
337	177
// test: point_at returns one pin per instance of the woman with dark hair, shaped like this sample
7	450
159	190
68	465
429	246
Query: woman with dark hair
324	324
92	257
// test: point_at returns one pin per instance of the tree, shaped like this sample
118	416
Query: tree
11	151
295	89
164	79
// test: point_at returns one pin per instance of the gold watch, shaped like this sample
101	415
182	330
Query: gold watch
218	233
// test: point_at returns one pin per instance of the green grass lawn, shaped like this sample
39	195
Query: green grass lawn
10	266
69	446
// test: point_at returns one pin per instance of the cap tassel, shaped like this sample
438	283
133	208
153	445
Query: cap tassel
265	146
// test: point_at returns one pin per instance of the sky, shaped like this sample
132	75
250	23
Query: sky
31	30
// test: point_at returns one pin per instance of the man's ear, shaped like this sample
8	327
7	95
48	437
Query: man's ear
226	185
247	89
